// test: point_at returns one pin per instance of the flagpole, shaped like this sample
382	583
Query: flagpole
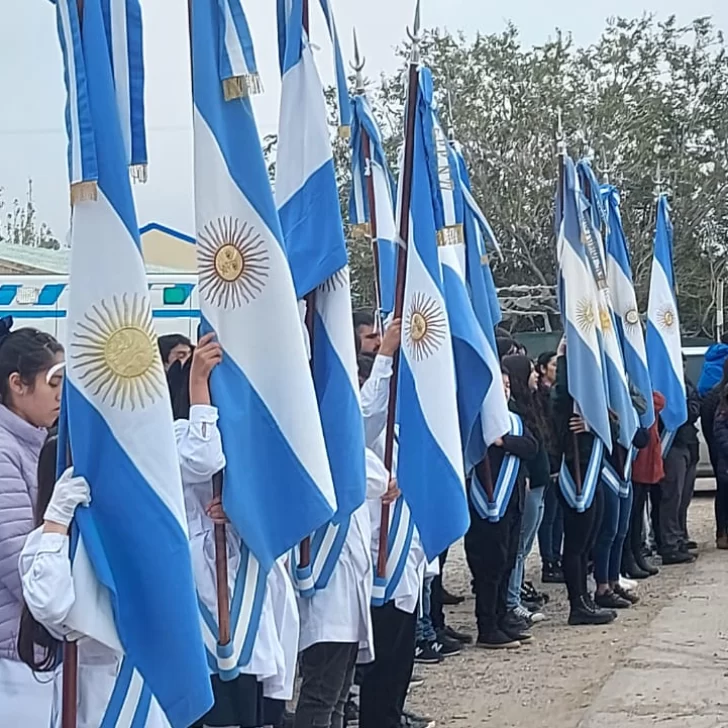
404	232
358	66
561	154
220	530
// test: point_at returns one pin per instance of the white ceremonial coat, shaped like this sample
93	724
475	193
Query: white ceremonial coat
26	699
275	651
341	611
48	589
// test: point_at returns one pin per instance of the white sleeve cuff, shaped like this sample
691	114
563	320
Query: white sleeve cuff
203	413
382	366
52	543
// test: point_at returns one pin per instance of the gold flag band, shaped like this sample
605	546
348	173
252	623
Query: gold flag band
238	87
84	192
450	235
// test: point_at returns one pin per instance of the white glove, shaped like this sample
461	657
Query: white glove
68	493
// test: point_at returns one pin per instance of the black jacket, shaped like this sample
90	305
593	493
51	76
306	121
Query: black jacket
687	434
708	408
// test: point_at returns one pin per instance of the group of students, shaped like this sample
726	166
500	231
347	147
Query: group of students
336	642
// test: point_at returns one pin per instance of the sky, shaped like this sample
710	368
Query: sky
32	94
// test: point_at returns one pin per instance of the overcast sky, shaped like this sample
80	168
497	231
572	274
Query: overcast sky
32	96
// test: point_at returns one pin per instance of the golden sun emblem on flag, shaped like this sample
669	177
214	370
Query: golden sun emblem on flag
233	262
585	317
666	317
338	280
424	326
605	320
114	351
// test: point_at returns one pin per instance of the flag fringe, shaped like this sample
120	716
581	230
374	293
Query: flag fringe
361	230
239	87
87	191
344	132
139	173
450	235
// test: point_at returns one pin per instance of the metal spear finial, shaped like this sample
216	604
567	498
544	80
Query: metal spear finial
414	36
358	66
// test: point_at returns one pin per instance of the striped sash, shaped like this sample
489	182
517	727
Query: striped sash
583	500
399	543
620	483
493	510
246	607
326	546
130	700
667	439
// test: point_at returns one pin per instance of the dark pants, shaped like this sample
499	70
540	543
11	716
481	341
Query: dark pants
580	532
551	531
491	550
676	493
640	493
437	610
384	683
610	538
327	673
721	505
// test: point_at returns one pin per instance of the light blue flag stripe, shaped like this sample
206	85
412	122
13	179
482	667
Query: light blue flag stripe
663	340
629	326
342	92
136	542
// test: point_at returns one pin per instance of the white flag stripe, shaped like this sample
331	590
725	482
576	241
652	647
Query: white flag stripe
120	59
233	46
431	371
306	147
76	171
453	256
662	300
264	373
131	701
386	227
119	272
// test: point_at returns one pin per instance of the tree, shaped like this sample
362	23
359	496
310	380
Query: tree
19	226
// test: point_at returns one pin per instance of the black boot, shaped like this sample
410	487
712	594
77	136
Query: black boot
583	613
631	567
643	564
551	573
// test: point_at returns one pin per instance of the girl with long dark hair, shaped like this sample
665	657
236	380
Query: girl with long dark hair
31	374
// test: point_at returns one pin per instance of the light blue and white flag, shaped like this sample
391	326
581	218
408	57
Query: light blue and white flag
664	353
593	220
132	569
342	91
580	313
624	301
430	467
473	374
495	417
374	169
277	483
310	215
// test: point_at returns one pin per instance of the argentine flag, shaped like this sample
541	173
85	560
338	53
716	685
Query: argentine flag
373	170
470	347
624	300
580	313
277	483
593	218
495	418
430	466
664	352
308	203
132	570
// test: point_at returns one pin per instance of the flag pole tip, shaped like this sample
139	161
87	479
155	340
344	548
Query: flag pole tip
358	65
414	35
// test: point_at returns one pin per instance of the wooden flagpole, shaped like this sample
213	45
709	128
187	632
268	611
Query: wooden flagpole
561	154
404	234
358	66
220	530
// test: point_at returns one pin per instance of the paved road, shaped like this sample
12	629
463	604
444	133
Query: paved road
677	673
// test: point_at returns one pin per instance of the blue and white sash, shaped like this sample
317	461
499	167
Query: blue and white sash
667	440
399	543
619	483
326	546
493	510
582	501
246	607
130	700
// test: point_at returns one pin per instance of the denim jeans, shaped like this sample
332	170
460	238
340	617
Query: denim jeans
611	536
551	531
327	672
425	629
532	514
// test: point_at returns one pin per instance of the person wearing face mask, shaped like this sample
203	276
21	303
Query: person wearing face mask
31	374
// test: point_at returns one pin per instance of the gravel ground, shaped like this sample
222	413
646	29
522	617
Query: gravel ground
553	680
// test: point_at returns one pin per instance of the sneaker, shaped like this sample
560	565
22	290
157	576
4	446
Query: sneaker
672	558
627	584
611	600
453	634
425	654
630	596
451	600
518	636
519	618
447	647
584	613
497	640
416	681
411	720
536	615
530	594
552	573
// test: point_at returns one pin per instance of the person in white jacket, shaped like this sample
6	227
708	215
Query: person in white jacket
49	593
256	698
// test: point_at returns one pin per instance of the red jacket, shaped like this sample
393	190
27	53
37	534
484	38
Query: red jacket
648	468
